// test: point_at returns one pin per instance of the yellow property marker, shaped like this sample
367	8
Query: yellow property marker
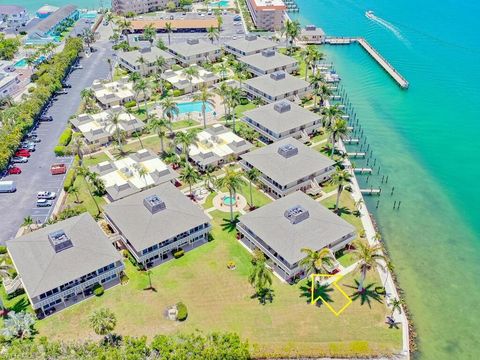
314	301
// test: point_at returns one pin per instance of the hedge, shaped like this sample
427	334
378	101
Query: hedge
178	254
130	104
48	80
178	92
3	250
60	150
98	290
182	311
69	179
65	137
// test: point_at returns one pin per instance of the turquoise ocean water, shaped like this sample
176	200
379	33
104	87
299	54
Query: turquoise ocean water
427	140
33	5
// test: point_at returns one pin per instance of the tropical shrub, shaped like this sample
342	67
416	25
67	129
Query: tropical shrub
3	250
178	92
130	104
60	150
178	254
98	290
65	137
243	101
182	311
69	179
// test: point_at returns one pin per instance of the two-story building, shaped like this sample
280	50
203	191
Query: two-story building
288	165
157	222
194	51
248	45
9	83
59	265
281	120
13	16
114	93
284	227
181	81
145	61
311	34
276	86
269	61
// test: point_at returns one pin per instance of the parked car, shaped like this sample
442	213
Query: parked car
77	67
50	311
19	159
30	146
14	170
45	118
66	85
7	187
61	92
23	153
239	31
46	195
237	18
57	169
33	139
44	203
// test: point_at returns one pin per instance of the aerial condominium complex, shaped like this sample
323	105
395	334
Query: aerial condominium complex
139	6
284	227
288	165
267	14
156	223
250	44
61	264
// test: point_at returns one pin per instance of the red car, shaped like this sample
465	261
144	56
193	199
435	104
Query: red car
23	152
14	170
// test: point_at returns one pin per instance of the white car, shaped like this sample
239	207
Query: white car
19	159
46	195
44	203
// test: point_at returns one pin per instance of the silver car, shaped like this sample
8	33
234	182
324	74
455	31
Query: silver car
44	203
19	159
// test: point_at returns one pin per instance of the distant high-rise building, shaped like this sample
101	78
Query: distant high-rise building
267	14
139	6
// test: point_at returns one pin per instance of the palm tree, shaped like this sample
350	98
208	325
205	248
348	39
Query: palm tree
310	55
78	145
124	25
88	37
28	222
223	70
223	90
149	33
143	87
73	190
134	77
232	180
324	92
160	44
190	176
103	321
330	114
143	172
316	262
170	110
338	130
141	61
205	96
114	118
389	267
160	63
340	178
260	276
185	139
213	33
190	73
18	325
241	72
158	126
88	178
291	30
367	256
5	271
396	305
209	178
169	30
234	100
252	176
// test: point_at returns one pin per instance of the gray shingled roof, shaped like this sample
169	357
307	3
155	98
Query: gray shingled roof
248	46
274	88
287	170
319	230
149	54
279	122
46	24
42	269
11	9
185	49
268	61
144	229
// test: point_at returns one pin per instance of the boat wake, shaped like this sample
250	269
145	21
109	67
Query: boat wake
387	25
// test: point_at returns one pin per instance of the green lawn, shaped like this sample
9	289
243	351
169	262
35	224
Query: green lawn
240	109
150	142
219	299
95	159
177	125
347	208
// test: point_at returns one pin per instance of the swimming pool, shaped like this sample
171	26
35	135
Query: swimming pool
221	3
22	63
193	106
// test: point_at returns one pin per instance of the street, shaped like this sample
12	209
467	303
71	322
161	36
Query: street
35	174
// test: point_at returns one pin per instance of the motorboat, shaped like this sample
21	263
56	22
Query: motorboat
369	14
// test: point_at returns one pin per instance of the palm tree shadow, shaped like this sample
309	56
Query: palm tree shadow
265	296
21	305
228	225
342	210
322	291
119	154
366	296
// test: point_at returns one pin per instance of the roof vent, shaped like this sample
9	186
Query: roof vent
154	204
296	214
145	50
282	106
192	41
277	75
288	150
142	154
59	241
310	27
268	53
251	37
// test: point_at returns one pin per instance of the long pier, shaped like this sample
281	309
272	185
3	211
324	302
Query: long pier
374	54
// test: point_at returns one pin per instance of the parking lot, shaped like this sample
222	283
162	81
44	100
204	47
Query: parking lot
35	174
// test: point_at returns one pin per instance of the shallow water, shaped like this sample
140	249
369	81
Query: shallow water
426	140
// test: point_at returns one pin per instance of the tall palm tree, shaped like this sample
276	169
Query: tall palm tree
316	81
88	177
324	92
190	73
260	276
185	139
158	127
205	96
223	70
340	178
209	178
160	63
114	118
170	110
316	262
291	30
149	33
28	222
160	44
78	146
330	114
252	176
73	190
141	61
103	321
143	86
18	325
310	55
190	176
241	72
234	100
169	30
232	181
396	305
143	172
124	25
213	34
367	256
223	90
337	130
134	77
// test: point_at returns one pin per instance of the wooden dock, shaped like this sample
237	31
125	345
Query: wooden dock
363	170
371	191
374	54
357	154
